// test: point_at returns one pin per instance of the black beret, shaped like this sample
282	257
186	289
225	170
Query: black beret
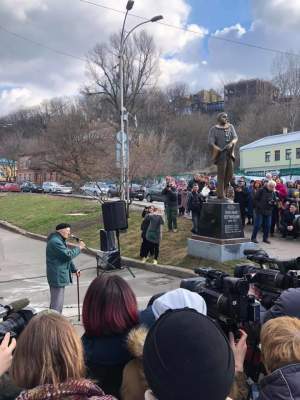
62	226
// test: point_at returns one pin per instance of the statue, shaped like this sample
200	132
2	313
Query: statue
223	138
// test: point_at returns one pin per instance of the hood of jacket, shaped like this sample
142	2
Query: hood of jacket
283	383
73	390
135	341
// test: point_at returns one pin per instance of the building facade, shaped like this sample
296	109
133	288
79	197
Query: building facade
33	169
277	153
249	90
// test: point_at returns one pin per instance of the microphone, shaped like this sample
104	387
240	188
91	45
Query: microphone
75	238
14	306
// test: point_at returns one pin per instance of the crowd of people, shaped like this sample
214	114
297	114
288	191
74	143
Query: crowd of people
170	350
269	204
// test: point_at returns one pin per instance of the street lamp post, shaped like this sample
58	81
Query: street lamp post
125	158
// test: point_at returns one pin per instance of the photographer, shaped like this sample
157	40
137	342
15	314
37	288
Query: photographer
171	194
194	204
289	227
263	204
241	196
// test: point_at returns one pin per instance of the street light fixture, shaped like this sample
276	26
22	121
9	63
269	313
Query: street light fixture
123	111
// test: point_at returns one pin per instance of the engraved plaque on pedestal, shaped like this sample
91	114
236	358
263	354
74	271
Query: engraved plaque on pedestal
221	220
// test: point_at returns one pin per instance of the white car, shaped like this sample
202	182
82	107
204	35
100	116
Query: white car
55	187
95	189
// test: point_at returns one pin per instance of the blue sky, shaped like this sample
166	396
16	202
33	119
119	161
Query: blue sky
217	14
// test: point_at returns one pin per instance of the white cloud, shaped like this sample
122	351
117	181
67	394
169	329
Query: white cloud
278	14
12	99
74	27
236	30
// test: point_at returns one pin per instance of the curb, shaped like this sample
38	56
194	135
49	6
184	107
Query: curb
130	262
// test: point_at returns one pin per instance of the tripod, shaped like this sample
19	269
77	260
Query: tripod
101	261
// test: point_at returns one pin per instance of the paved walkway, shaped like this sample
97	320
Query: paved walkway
22	258
279	247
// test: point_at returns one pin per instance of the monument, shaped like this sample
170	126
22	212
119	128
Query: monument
220	235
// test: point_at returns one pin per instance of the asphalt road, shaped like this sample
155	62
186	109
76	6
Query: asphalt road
22	258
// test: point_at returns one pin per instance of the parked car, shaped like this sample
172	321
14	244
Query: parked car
10	187
95	189
55	187
31	187
136	191
154	193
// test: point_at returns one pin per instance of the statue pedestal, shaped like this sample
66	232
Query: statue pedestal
220	233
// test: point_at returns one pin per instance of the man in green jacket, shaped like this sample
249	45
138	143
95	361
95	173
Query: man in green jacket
60	265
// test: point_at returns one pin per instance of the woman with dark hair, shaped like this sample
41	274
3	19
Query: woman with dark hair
109	312
48	362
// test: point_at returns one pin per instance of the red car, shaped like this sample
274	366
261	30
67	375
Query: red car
10	187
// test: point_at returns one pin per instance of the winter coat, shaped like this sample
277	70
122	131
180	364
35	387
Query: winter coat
134	383
264	201
282	384
195	202
287	304
281	191
153	233
82	389
171	196
242	198
288	218
59	261
105	358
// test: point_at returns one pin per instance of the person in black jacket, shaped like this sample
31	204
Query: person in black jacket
171	195
146	247
288	222
263	203
241	196
195	205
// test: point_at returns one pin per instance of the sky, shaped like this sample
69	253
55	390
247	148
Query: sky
200	57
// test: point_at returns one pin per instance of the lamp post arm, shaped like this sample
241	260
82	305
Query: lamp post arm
123	30
129	33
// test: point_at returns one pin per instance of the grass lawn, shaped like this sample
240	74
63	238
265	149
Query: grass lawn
40	213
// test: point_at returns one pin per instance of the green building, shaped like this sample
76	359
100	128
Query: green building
278	154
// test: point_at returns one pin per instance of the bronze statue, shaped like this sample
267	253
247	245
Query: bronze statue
223	138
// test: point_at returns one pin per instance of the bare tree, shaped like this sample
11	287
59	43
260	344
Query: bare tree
140	65
286	69
78	148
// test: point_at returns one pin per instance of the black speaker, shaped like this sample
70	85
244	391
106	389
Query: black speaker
114	215
108	261
107	240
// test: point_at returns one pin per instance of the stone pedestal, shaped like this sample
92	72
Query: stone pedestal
221	220
220	233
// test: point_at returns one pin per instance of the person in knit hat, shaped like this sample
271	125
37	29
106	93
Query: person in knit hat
186	356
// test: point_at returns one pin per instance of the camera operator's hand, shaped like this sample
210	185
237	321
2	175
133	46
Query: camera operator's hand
239	349
6	350
81	245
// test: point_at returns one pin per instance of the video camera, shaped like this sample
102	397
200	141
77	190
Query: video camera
15	316
226	298
271	281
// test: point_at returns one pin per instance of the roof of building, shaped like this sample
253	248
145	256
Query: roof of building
273	140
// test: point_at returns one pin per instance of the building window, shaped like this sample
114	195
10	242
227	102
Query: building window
288	154
277	155
267	156
298	152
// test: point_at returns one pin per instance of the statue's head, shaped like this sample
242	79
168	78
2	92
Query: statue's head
222	118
